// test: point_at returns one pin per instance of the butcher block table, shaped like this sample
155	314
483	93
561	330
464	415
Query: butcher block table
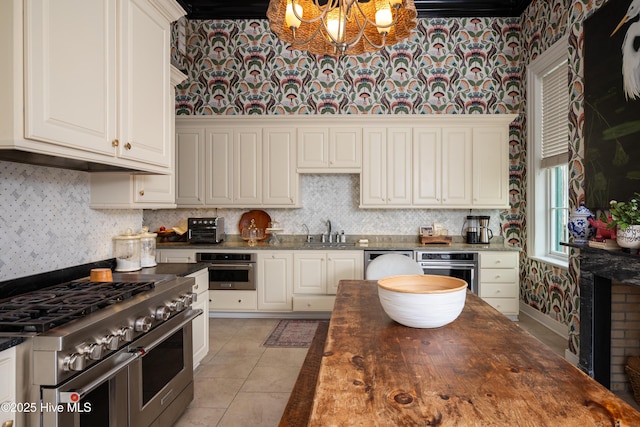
480	370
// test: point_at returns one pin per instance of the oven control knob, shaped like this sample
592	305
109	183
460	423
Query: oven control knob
186	300
94	351
162	313
112	342
176	305
143	324
74	362
125	333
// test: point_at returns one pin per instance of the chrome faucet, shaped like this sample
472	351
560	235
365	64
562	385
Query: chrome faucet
309	238
329	231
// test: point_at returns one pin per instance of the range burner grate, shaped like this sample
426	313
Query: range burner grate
39	311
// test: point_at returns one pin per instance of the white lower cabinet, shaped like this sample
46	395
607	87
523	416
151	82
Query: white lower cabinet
176	255
499	281
8	361
201	323
233	300
275	278
316	276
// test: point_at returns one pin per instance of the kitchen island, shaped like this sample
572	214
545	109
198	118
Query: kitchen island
480	370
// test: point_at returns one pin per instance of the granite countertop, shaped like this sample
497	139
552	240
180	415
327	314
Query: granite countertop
176	269
374	245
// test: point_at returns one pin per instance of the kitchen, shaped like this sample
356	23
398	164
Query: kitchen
48	225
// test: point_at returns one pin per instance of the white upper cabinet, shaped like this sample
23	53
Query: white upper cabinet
329	149
225	162
386	169
446	162
279	177
110	190
71	73
146	108
89	82
490	183
456	166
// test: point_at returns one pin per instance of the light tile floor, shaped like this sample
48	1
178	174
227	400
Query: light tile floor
240	383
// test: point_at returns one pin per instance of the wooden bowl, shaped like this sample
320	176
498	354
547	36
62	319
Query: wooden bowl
422	300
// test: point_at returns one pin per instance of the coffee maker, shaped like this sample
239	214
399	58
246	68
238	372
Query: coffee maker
477	229
472	227
485	234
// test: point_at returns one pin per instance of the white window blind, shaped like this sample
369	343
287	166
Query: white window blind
555	116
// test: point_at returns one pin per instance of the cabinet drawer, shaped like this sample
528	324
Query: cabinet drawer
498	290
233	300
313	303
504	305
498	275
498	259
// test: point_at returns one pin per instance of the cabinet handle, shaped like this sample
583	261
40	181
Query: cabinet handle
115	143
127	146
142	192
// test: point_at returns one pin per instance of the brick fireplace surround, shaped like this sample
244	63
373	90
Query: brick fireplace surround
609	314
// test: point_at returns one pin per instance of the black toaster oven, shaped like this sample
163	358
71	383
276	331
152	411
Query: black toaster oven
205	230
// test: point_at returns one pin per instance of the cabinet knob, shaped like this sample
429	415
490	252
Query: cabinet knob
142	192
127	146
115	143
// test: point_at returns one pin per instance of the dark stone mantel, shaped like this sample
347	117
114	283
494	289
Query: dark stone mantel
598	267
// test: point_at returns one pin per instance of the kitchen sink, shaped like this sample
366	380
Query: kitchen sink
328	245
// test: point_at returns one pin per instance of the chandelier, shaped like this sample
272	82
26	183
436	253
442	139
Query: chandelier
339	27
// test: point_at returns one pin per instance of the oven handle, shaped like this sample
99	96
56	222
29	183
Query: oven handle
147	348
445	264
249	265
69	397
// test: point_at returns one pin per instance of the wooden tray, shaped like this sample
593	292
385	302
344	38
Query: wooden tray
435	240
261	218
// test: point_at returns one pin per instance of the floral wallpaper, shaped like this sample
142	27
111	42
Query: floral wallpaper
449	66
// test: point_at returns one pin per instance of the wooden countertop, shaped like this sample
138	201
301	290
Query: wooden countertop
480	370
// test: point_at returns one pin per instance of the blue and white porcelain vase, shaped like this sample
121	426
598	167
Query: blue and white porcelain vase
579	227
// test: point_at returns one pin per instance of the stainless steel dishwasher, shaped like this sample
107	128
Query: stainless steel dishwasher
370	255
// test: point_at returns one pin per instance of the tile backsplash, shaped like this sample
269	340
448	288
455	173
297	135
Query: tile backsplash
46	223
335	198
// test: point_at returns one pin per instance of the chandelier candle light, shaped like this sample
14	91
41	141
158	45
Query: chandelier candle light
339	27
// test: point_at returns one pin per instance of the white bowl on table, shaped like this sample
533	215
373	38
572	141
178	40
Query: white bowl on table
422	300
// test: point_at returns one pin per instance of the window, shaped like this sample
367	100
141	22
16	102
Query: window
548	146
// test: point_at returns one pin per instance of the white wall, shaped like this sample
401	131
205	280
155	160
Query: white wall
46	223
333	197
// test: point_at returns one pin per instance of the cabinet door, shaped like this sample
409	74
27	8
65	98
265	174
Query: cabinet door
345	148
456	166
201	323
399	167
145	113
427	166
491	167
154	189
219	166
190	158
313	148
280	179
343	265
71	76
247	163
373	181
275	276
309	272
176	255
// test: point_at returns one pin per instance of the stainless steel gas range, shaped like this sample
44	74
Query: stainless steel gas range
106	353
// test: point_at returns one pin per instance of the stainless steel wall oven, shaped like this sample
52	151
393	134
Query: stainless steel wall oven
463	265
230	271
